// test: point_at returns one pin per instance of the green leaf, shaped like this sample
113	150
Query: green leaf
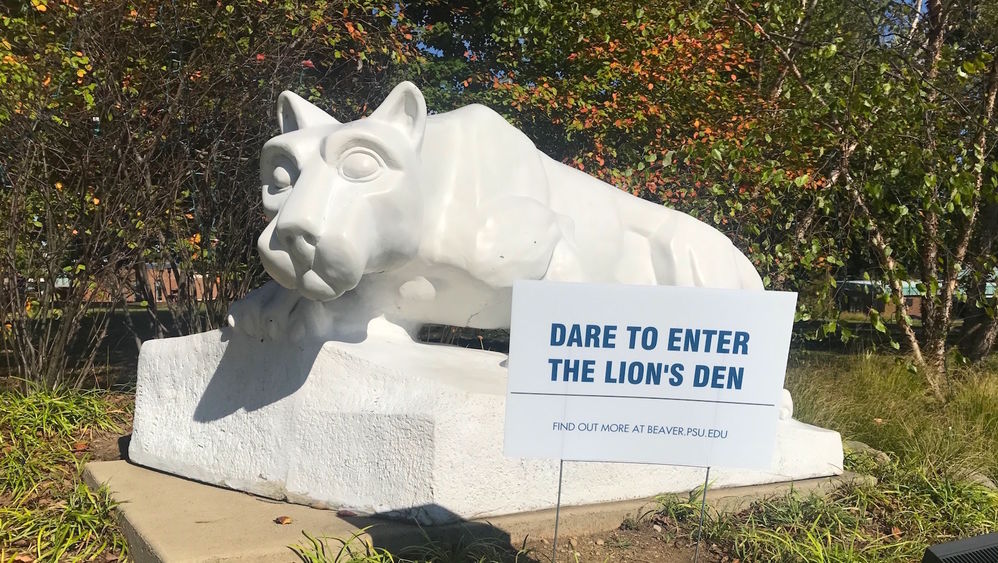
878	323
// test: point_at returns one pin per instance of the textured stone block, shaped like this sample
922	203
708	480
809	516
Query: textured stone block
385	426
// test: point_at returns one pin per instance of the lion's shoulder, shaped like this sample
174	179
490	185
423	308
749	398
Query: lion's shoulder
491	191
486	153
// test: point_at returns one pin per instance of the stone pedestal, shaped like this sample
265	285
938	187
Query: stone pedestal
384	426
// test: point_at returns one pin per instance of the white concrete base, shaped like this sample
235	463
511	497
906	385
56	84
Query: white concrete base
384	426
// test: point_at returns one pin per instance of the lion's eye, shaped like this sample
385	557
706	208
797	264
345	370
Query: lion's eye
360	166
282	177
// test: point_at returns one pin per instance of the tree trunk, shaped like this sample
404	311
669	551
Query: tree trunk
148	294
936	374
980	330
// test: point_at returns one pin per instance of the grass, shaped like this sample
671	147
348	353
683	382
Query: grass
356	549
925	493
892	520
46	512
879	401
320	549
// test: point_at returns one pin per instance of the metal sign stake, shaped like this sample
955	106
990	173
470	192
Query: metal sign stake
557	512
703	508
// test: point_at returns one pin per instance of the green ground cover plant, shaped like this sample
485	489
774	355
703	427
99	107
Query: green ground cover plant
46	512
929	487
320	549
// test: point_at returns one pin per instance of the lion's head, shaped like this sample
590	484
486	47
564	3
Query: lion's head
343	199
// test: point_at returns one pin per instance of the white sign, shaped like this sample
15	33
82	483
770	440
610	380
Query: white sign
647	374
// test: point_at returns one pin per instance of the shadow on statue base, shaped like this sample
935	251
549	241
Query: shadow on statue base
384	426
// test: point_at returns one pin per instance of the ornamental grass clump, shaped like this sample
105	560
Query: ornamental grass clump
46	512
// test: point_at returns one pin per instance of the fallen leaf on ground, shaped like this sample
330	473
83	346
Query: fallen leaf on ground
80	446
283	520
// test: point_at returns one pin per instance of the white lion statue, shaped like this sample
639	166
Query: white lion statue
320	395
429	219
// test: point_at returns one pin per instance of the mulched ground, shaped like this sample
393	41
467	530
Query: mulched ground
653	541
109	446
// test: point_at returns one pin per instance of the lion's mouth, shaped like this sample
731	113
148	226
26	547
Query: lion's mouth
315	288
320	274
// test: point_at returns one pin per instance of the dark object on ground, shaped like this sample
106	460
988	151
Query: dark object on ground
980	549
123	442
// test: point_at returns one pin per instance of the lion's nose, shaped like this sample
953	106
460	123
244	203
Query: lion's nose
300	219
304	247
299	242
297	237
298	227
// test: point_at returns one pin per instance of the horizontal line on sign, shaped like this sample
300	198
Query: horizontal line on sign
638	397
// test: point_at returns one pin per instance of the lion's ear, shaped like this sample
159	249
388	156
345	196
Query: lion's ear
295	112
405	109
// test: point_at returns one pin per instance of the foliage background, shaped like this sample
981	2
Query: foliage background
830	141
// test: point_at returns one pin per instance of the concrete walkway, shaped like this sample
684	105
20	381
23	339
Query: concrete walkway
170	519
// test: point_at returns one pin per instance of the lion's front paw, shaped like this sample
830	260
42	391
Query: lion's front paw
265	312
